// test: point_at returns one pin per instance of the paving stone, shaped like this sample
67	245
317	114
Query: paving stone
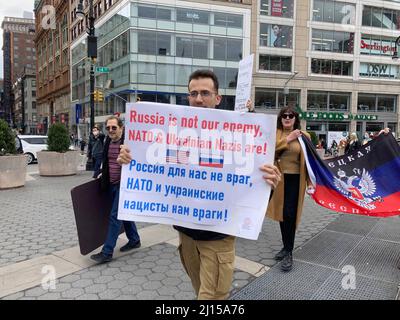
131	290
171	281
90	275
152	285
156	276
146	295
70	278
175	273
88	297
72	293
110	294
143	272
82	283
185	286
96	288
110	271
168	290
50	296
35	292
123	275
116	284
137	280
103	279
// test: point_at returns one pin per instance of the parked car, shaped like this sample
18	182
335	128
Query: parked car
31	144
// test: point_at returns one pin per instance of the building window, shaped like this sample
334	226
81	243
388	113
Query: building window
379	17
163	44
376	103
277	8
334	11
374	127
234	49
184	47
147	42
64	28
274	98
328	101
275	63
154	13
273	35
338	127
147	12
200	48
228	20
332	41
333	67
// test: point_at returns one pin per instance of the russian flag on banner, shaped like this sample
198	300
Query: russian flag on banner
213	161
366	181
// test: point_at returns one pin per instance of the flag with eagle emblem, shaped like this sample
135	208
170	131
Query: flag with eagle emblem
365	181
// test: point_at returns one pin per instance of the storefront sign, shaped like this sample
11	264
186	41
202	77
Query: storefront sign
376	70
376	47
310	115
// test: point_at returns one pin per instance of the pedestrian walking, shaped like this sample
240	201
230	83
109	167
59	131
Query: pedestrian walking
95	149
83	145
286	204
110	181
208	257
72	139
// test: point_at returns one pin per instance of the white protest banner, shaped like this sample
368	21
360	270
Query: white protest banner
335	136
243	87
197	168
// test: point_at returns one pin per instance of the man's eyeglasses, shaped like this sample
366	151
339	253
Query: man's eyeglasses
113	128
288	116
203	94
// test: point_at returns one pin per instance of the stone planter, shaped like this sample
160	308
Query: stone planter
58	164
12	171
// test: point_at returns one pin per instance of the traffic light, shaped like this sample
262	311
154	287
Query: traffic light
100	96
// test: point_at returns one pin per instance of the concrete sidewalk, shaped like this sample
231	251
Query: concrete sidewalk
37	231
354	258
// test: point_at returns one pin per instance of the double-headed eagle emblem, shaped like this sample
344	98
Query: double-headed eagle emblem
359	187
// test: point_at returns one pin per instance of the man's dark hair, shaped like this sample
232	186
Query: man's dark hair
204	73
119	120
288	110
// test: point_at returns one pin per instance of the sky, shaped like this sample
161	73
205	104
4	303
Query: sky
13	8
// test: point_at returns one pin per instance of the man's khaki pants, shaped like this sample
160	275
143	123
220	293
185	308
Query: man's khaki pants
209	264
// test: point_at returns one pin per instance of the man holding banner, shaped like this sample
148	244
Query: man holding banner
207	256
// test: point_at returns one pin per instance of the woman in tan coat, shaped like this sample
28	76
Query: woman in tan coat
286	204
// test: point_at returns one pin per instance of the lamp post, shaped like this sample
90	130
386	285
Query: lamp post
285	88
91	52
92	55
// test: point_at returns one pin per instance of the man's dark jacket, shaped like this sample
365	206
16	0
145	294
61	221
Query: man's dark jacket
105	169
